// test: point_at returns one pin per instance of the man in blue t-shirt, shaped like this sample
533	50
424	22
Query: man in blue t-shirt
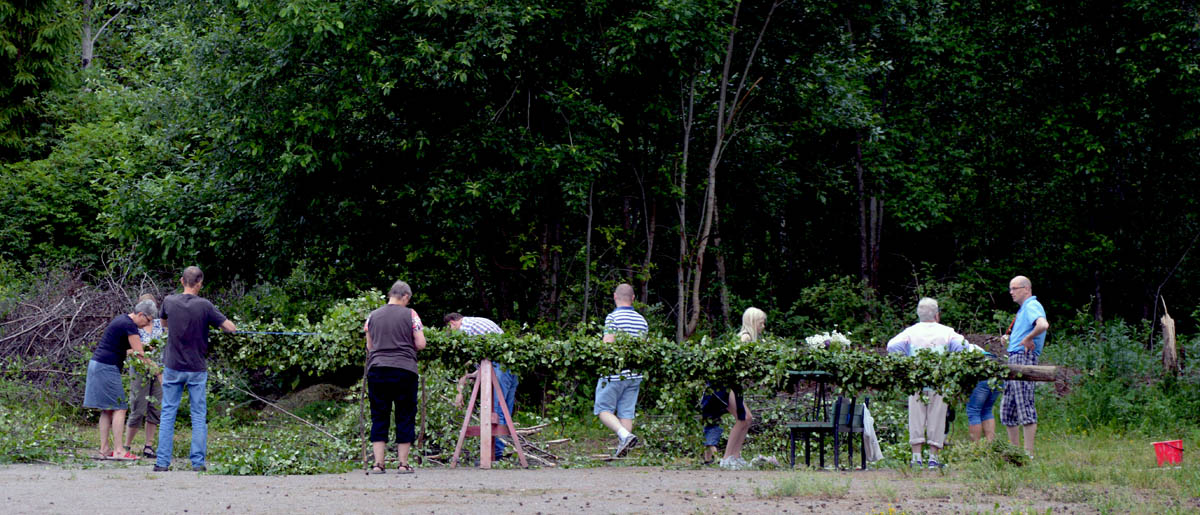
1025	340
616	395
185	365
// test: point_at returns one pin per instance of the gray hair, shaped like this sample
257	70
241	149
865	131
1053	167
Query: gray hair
927	310
147	308
400	290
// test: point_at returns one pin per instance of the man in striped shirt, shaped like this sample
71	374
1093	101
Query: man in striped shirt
478	326
616	395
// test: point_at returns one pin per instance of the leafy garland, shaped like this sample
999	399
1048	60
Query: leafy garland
582	356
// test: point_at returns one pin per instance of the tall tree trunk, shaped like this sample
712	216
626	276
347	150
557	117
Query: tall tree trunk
87	39
86	42
587	266
688	110
651	228
727	111
720	256
870	222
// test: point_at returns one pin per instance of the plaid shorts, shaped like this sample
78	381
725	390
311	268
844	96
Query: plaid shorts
1016	408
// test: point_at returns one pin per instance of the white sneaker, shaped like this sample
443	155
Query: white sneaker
734	464
624	444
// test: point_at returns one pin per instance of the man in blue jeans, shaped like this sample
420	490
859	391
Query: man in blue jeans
185	365
478	326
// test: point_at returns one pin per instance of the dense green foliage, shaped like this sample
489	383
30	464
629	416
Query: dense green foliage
35	46
513	159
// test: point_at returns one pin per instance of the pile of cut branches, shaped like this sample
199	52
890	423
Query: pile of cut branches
47	337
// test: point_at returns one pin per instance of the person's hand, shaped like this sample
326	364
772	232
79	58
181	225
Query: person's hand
1004	339
458	401
1028	343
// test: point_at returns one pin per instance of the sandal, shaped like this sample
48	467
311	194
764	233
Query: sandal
405	468
123	456
378	469
148	452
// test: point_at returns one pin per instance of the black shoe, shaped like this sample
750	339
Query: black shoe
199	468
161	469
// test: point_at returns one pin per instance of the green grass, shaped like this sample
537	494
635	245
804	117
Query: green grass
807	484
1110	471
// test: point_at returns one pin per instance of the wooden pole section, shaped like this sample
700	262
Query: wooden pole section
1044	373
484	381
1170	357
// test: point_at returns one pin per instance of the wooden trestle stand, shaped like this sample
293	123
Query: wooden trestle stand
487	381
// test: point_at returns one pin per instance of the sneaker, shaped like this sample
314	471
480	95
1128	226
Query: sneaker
199	468
161	469
734	464
916	464
624	444
933	463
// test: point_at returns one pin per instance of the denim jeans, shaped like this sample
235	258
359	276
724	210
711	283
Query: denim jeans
173	383
508	383
979	405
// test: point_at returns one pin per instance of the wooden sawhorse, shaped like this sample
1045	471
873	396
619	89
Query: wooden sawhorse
490	386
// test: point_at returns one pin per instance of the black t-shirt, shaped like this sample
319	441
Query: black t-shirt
188	319
115	342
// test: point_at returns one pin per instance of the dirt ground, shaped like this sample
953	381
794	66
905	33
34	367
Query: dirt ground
123	488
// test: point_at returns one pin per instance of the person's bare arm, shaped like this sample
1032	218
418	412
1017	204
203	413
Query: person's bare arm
228	326
419	340
462	381
135	348
610	337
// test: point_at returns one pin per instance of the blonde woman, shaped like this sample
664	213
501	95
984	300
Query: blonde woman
729	400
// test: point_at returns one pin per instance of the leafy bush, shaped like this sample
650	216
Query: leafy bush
1123	385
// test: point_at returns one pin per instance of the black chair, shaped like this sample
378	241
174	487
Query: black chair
853	423
816	417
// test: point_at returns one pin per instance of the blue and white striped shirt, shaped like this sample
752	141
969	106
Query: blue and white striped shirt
479	326
625	320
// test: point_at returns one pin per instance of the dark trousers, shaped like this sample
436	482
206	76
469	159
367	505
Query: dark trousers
388	388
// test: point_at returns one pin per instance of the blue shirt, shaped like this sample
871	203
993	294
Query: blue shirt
1024	323
625	320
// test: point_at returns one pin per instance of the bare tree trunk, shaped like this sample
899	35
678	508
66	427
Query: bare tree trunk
651	213
870	222
727	110
1170	358
720	255
688	110
587	267
87	40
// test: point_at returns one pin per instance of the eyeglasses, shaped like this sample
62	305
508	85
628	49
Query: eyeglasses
1017	288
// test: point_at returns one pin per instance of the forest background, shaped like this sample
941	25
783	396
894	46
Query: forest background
828	162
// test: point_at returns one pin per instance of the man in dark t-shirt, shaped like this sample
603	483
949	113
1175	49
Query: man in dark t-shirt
185	365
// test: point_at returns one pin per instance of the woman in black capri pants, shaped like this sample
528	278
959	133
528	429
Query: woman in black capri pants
394	335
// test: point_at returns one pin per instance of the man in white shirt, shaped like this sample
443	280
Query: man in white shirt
926	420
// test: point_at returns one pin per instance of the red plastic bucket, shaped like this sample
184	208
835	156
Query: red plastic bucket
1169	452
